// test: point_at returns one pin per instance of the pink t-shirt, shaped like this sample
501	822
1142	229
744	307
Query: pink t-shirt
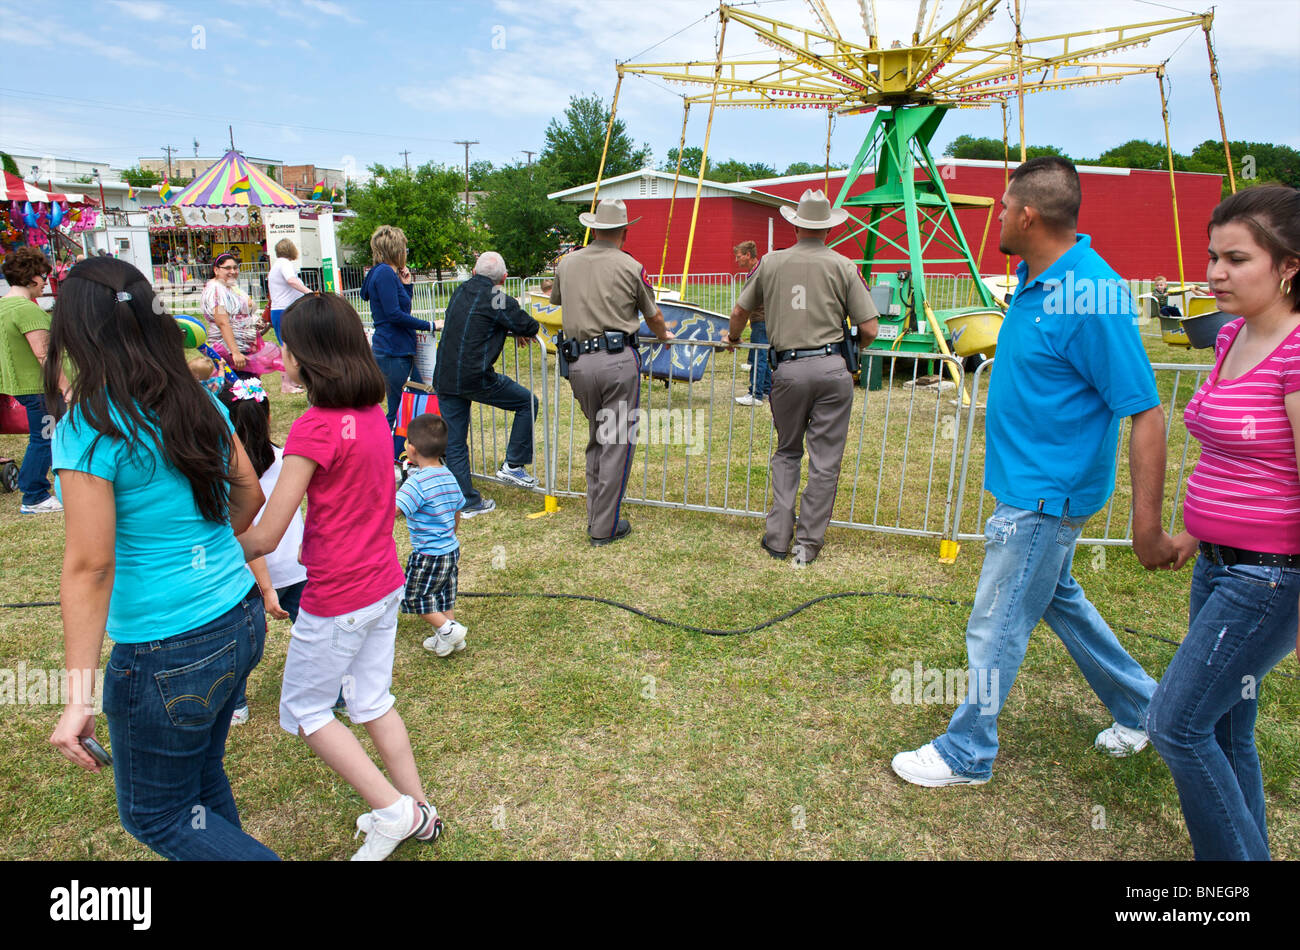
1245	492
347	542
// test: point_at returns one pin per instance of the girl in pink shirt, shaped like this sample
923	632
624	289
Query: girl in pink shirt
339	454
1243	512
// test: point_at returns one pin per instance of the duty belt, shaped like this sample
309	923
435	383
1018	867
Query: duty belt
784	356
612	341
1222	554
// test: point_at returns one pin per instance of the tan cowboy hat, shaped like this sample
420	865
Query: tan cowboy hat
814	211
609	214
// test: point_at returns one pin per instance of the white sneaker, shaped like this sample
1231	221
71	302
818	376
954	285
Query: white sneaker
49	506
382	837
518	476
240	716
445	644
1121	741
926	767
749	399
430	824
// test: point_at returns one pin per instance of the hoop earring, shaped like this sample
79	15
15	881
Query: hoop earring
1284	287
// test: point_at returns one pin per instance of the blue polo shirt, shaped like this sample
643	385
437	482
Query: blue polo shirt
1070	365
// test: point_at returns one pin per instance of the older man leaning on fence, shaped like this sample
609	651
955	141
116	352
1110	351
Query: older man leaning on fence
480	315
1068	369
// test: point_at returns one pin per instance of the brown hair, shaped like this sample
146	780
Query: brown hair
427	433
1050	185
388	246
23	265
323	333
286	248
1272	213
746	247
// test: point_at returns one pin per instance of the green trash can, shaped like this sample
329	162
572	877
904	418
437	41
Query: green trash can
871	369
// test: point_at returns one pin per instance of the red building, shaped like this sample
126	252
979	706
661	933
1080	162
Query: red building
1128	213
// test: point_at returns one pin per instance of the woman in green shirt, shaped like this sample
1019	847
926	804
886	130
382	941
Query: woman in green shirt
24	340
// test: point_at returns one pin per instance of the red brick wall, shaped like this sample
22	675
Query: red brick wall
1128	216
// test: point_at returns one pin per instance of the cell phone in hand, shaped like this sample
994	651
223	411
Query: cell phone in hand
97	751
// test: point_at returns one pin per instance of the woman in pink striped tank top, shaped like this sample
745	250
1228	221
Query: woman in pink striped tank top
1242	511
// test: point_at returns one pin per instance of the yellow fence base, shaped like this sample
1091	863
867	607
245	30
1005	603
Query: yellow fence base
550	507
948	551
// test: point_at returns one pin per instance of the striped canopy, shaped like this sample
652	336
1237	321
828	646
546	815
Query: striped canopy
13	188
212	188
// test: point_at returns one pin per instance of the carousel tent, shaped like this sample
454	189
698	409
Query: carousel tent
213	189
224	202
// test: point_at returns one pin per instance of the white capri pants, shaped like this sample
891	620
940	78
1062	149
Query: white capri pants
353	651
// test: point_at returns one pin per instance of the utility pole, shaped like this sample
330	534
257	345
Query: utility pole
231	129
406	157
529	154
467	145
169	149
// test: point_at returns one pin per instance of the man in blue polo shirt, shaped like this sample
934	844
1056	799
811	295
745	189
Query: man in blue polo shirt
1070	366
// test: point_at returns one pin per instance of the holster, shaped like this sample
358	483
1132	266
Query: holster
562	347
850	350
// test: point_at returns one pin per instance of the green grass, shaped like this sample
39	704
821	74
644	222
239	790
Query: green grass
548	738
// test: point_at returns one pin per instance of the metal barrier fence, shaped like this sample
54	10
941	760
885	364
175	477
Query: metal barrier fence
698	450
1176	383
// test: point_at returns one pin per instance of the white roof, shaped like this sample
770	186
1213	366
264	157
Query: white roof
651	183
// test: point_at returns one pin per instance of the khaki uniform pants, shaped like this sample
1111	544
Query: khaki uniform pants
608	388
811	397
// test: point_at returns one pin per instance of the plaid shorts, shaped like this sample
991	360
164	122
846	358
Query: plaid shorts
430	583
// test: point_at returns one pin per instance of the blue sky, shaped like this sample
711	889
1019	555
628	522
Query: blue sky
346	83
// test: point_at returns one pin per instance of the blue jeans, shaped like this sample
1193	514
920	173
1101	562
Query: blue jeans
1202	718
1026	578
33	477
275	325
168	705
397	370
289	598
760	374
504	394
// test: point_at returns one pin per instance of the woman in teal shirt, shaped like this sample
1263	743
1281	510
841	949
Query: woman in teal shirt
155	486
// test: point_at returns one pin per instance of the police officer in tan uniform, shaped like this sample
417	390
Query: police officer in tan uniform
601	289
808	290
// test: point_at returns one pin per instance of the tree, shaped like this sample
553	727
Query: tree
573	150
479	173
9	164
520	222
138	177
692	155
1255	163
733	170
808	168
990	150
427	204
1134	153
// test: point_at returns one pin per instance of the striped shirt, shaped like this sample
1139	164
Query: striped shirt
1245	491
430	499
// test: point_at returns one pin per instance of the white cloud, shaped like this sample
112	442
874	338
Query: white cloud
143	9
329	8
492	80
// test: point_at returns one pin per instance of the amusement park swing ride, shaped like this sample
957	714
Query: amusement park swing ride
902	217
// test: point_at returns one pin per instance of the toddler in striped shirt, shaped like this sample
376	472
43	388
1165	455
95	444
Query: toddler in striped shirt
431	501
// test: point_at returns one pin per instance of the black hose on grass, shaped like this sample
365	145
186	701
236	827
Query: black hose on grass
709	631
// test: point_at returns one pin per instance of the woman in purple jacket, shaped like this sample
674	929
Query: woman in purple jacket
388	288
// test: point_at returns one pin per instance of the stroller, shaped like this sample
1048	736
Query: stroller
13	421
